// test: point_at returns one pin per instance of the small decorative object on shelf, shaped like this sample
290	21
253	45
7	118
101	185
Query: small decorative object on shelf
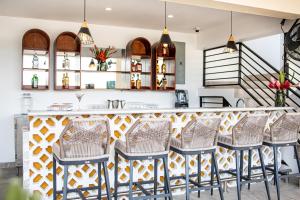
281	85
65	81
66	62
35	61
35	81
101	55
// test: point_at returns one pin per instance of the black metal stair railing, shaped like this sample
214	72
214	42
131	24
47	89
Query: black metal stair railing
249	71
213	102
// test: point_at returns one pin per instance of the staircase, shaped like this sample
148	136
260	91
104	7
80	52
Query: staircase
249	74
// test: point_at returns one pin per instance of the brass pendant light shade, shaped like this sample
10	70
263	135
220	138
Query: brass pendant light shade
165	38
84	33
231	45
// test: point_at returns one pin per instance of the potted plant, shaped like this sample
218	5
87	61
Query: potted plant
16	192
101	55
281	86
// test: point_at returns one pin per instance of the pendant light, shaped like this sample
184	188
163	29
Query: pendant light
84	33
92	64
231	45
165	39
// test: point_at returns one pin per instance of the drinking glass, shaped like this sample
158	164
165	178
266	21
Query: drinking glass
79	97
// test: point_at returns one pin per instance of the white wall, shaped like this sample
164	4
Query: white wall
269	48
10	71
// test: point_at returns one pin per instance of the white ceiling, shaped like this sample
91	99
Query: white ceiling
131	13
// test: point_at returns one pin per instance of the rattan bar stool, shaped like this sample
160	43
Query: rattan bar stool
83	141
147	139
247	135
283	132
199	137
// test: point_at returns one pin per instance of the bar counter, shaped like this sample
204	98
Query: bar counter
45	128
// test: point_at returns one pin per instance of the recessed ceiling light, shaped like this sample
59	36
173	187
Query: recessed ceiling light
108	9
170	16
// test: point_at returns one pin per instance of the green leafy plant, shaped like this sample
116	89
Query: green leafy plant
16	192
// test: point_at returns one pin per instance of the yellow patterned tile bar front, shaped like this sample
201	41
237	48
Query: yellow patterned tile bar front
45	129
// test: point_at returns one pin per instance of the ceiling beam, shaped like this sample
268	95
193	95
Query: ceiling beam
283	9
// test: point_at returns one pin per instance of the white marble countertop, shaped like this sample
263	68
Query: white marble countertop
157	110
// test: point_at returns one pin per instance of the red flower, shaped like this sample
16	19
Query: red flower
286	85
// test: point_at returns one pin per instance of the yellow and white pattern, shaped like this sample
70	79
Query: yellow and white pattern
45	131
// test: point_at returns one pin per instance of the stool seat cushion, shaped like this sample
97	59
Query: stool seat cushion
149	149
57	152
228	140
275	140
176	143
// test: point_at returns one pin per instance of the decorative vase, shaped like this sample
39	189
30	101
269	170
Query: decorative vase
102	66
280	98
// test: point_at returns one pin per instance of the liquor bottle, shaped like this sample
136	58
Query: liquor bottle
35	81
139	66
35	61
157	68
66	62
164	83
132	82
138	82
67	81
63	80
163	68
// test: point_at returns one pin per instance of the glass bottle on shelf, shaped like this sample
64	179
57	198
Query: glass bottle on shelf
65	81
35	61
138	82
164	82
163	68
157	68
139	66
66	62
132	82
35	81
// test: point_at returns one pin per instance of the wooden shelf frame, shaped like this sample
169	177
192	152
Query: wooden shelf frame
168	54
35	40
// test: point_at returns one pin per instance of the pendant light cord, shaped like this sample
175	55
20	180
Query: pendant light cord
231	22
165	14
84	11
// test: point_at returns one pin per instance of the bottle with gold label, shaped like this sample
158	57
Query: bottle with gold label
63	80
67	81
157	68
138	82
163	68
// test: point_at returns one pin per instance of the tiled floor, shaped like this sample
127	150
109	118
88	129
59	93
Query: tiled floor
289	191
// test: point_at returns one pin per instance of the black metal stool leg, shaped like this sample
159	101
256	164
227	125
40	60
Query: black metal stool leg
106	180
249	166
65	189
212	174
155	177
116	175
187	178
238	174
297	157
167	177
99	180
263	168
199	171
217	175
130	180
276	172
54	179
242	166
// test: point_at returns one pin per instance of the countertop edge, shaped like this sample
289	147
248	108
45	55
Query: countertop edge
148	111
